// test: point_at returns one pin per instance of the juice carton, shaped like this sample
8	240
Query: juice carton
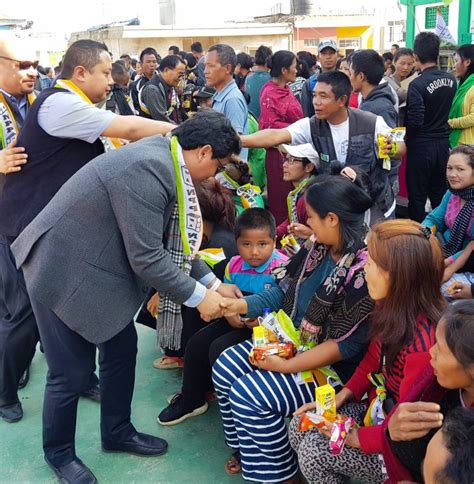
326	402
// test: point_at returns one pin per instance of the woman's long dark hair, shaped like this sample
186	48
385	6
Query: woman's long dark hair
349	202
466	52
412	257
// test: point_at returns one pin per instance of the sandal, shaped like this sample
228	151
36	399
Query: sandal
168	362
233	465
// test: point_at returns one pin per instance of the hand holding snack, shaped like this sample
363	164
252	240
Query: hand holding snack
235	321
153	304
271	363
460	291
300	230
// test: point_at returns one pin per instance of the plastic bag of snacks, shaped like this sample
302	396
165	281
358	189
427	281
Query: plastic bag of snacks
262	347
340	430
396	135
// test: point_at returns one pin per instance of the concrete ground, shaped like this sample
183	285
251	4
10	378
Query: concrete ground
196	454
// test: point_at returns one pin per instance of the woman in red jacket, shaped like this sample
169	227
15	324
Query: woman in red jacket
403	273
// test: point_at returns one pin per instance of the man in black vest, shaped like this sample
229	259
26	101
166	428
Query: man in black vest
340	133
149	60
64	136
429	100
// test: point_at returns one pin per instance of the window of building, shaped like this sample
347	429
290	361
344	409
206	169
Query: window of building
430	16
311	42
353	43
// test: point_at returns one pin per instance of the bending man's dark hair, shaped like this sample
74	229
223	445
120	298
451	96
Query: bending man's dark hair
209	127
85	53
369	63
170	62
426	47
339	82
458	437
255	218
349	202
280	60
174	49
226	54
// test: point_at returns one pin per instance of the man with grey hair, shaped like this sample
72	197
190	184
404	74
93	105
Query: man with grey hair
219	69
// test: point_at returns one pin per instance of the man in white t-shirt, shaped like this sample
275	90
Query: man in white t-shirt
337	132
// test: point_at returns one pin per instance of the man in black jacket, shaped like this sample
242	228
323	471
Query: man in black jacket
429	100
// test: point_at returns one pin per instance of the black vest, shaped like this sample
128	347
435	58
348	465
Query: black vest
361	152
51	162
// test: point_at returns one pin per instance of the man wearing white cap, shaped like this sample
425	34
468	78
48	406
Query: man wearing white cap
299	168
327	57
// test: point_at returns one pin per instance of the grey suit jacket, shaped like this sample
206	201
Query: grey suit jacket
93	251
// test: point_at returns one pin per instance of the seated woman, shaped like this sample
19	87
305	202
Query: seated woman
218	215
301	162
453	218
446	384
322	288
403	274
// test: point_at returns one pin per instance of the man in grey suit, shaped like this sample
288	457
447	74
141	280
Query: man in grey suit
88	259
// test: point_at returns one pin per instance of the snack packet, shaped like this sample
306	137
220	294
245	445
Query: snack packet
311	420
283	350
289	244
340	430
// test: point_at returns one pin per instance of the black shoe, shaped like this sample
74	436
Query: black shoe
139	444
92	394
25	378
76	472
11	413
178	411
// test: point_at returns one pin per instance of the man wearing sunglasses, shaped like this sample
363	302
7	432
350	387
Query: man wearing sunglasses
17	82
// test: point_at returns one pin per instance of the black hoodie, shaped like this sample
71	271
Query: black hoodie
382	101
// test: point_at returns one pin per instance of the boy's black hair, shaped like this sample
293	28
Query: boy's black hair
458	437
426	47
255	218
149	51
369	63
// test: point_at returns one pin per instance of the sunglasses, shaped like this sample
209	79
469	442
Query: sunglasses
22	65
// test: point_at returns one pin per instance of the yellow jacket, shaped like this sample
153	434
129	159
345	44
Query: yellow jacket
466	121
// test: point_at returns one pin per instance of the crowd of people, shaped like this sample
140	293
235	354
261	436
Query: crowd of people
196	193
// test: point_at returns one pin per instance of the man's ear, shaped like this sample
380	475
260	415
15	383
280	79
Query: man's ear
80	73
205	153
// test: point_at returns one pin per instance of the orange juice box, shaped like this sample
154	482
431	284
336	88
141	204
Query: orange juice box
326	402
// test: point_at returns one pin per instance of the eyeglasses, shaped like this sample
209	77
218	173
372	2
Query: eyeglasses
22	65
291	160
220	165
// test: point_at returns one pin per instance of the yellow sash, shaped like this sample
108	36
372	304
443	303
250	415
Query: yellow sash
109	143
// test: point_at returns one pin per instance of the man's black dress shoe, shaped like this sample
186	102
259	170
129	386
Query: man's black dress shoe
25	378
92	394
76	472
11	413
139	444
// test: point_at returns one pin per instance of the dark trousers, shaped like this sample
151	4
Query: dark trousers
71	365
18	330
426	174
202	351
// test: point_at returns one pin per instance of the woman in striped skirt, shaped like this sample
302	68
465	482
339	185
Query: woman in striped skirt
324	292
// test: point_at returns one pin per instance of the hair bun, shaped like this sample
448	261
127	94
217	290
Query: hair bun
270	62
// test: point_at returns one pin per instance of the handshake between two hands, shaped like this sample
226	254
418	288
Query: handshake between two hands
225	302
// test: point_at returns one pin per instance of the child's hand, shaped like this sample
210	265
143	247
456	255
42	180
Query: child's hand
234	307
460	291
307	407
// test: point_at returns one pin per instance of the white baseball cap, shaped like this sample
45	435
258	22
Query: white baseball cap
327	43
302	151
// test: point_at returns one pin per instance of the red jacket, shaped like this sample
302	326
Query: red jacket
411	360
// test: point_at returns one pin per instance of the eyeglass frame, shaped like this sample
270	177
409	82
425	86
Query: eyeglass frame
291	160
220	165
33	64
